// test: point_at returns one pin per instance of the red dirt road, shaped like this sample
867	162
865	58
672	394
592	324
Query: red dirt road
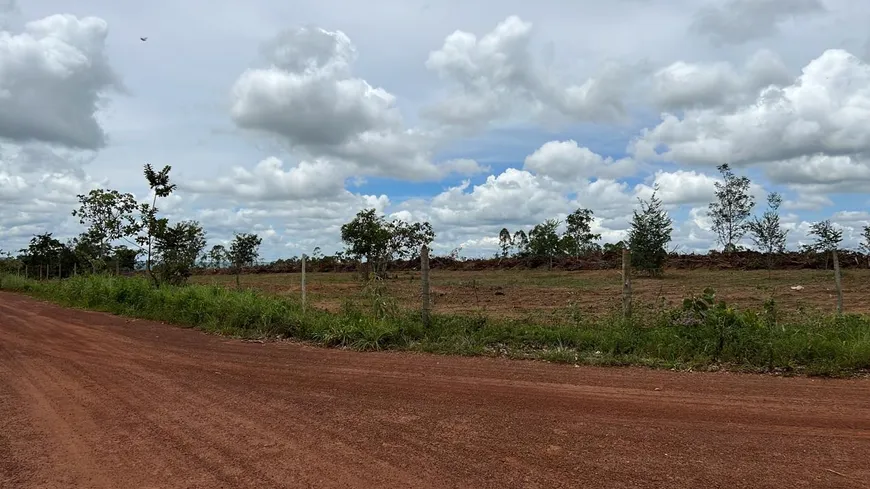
94	401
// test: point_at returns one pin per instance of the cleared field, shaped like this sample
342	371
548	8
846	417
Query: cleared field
511	293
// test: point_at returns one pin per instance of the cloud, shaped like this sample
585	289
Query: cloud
740	21
319	179
680	187
807	202
566	161
823	112
309	98
293	147
823	174
496	77
683	85
53	78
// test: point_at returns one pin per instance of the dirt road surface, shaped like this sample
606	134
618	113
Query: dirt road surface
95	401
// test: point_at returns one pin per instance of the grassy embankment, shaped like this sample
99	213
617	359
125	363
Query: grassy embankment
700	333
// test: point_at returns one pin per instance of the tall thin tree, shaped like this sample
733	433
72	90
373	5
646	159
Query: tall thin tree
159	184
730	213
766	232
505	242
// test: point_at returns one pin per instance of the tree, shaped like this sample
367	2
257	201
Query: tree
125	258
176	249
614	247
158	182
649	234
88	249
372	237
865	245
244	250
766	232
545	241
9	263
109	215
579	230
217	255
827	236
732	208
44	254
521	243
505	242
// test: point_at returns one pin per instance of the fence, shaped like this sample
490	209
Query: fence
476	293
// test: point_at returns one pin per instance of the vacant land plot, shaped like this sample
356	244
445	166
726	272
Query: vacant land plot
512	293
96	401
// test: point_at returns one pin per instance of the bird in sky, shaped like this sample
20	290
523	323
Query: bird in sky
143	38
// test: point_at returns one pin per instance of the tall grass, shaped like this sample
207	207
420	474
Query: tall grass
701	333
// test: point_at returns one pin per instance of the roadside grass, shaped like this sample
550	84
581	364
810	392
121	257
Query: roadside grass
701	333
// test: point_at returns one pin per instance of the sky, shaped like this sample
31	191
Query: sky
286	119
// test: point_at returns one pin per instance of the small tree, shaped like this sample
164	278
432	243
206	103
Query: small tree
158	182
544	240
9	263
614	247
766	232
370	236
176	249
43	253
649	234
828	238
505	242
865	245
109	215
125	258
579	231
732	208
217	255
520	242
244	250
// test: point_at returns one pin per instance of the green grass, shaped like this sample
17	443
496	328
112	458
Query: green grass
701	333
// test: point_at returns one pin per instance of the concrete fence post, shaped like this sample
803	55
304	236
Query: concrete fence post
303	284
424	280
626	283
839	281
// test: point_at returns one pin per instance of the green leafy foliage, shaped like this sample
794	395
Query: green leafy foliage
109	216
827	237
767	232
650	232
370	236
545	241
505	242
730	213
520	242
244	250
176	249
579	236
159	183
217	256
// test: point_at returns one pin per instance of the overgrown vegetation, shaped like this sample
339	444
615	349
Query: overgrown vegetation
700	333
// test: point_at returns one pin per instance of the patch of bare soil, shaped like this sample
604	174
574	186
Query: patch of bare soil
91	400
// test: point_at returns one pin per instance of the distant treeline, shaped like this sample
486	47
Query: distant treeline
605	260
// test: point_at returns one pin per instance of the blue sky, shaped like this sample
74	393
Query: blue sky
286	120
